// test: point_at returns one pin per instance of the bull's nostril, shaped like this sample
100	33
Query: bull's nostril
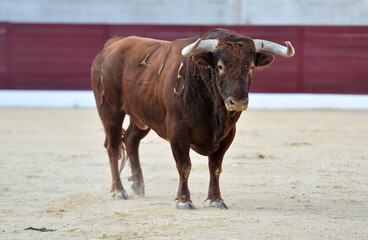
231	102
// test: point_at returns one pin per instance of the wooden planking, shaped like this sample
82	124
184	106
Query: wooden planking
336	60
4	57
329	59
54	56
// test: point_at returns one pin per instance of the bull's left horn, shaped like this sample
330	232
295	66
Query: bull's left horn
200	46
271	47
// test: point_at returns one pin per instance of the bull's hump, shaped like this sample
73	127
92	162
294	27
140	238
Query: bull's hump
133	44
137	47
142	40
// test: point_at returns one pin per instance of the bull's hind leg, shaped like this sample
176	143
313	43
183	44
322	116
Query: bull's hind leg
132	138
112	121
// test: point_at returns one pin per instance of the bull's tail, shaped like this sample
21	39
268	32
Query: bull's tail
123	155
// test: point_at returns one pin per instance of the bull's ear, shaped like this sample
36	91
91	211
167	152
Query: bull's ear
203	59
263	59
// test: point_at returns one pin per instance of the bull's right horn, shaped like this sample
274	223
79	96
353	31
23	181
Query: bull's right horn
200	46
271	47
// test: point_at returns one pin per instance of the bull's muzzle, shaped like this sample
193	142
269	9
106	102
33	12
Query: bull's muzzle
233	104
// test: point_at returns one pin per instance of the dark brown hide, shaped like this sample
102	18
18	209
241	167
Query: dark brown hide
192	102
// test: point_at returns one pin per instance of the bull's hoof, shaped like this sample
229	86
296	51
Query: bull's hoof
185	206
139	191
220	205
121	196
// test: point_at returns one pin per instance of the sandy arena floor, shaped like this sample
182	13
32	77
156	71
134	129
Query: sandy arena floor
287	175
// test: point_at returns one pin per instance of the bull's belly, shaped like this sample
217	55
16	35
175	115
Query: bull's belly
204	150
146	114
149	121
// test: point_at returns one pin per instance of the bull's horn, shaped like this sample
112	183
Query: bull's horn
200	46
271	47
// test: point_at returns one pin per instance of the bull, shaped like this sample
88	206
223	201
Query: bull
190	91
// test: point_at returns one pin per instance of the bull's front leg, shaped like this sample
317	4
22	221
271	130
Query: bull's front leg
180	147
215	168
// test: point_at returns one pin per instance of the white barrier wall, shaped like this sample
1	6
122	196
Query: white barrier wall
265	12
85	99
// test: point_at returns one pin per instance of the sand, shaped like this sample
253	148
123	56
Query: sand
287	175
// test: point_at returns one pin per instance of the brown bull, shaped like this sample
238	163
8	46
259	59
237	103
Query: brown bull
191	92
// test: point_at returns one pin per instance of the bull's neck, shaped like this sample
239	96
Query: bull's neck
203	97
201	88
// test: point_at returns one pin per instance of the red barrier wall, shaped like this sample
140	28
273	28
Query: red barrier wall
329	59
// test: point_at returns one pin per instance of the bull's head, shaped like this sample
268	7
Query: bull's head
233	58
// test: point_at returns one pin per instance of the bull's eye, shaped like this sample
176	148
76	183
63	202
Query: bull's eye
220	67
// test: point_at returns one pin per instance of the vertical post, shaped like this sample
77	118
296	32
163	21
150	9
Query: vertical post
300	59
5	51
9	56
